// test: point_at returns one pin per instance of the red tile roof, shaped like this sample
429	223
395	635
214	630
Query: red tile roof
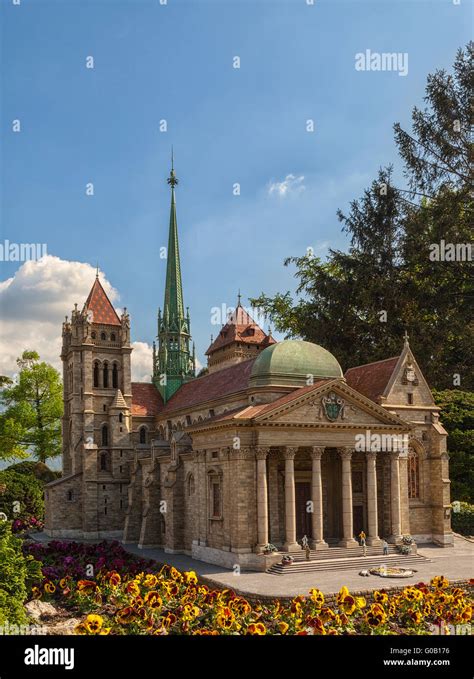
146	399
101	306
249	412
371	379
212	386
240	328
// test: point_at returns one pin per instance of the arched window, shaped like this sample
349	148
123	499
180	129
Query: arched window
70	496
191	484
115	376
93	335
142	433
103	336
103	462
105	435
96	374
106	375
112	337
120	417
413	474
215	496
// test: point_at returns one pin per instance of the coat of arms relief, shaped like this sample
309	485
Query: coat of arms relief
332	406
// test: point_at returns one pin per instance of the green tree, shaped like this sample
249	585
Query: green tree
31	420
21	495
349	303
358	303
17	574
437	154
457	417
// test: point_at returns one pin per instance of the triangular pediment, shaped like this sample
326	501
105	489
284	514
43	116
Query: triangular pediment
407	378
333	404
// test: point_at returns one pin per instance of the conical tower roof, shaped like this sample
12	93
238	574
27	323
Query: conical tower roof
100	305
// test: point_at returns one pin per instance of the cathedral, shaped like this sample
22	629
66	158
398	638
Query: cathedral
272	443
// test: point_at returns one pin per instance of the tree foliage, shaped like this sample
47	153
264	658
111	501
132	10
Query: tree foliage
17	574
31	420
358	303
21	495
457	417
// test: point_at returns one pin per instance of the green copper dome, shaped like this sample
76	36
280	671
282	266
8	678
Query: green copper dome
291	362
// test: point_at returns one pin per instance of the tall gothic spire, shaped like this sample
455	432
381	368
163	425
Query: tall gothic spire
175	363
173	305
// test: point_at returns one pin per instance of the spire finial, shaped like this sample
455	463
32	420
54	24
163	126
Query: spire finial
238	298
97	271
172	179
406	338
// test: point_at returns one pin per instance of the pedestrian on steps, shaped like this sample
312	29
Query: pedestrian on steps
385	547
362	537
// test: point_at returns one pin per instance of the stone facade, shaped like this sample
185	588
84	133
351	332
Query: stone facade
224	470
274	443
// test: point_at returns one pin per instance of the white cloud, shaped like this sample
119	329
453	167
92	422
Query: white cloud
33	304
142	362
291	185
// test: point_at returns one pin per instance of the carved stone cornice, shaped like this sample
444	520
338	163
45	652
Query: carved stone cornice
289	452
316	452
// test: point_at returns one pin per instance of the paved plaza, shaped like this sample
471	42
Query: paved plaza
455	563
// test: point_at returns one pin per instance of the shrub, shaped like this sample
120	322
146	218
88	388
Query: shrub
17	575
39	470
462	521
24	489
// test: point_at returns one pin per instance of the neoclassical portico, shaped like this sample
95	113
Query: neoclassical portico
315	506
263	448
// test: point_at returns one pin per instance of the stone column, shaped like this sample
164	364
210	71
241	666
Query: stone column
262	498
317	500
290	503
372	519
395	513
347	511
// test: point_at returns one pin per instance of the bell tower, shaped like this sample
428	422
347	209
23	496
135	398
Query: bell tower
96	424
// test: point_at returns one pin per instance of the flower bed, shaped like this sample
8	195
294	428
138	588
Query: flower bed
31	523
138	598
78	560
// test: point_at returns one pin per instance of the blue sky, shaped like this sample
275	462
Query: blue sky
247	125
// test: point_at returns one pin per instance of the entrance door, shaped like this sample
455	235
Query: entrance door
303	517
358	517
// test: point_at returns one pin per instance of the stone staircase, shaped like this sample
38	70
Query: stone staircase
342	559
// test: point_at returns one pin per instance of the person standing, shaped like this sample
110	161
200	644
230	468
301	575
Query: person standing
385	547
362	537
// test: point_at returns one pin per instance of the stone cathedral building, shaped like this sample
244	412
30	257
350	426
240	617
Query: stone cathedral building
274	442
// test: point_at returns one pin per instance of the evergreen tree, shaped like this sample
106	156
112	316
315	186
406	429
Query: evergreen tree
357	304
457	416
